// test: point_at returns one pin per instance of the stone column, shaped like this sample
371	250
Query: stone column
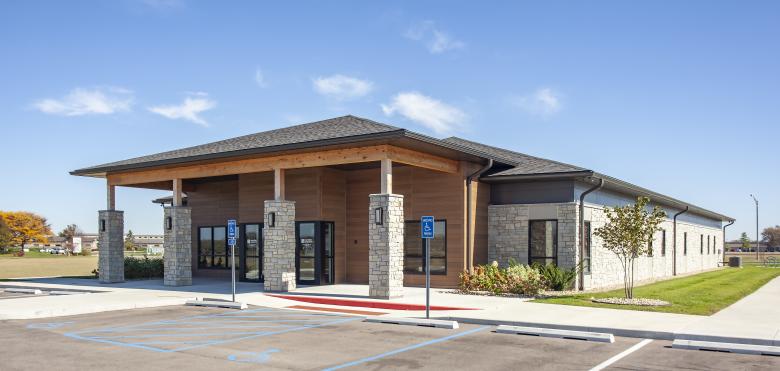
386	246
279	246
177	244
111	246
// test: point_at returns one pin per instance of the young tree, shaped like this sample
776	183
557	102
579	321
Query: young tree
771	236
25	227
744	240
627	233
5	235
68	233
130	241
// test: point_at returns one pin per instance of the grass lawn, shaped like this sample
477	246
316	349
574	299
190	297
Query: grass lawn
702	294
40	265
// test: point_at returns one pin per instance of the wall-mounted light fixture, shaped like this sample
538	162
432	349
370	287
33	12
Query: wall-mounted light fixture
378	216
102	225
169	223
271	219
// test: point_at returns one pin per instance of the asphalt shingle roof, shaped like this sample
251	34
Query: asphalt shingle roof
339	127
523	164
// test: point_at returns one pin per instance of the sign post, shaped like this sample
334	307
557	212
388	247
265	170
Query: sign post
232	242
427	230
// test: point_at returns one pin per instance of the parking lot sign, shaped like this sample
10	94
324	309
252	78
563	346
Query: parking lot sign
231	232
427	227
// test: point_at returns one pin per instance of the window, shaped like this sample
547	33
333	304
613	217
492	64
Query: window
212	247
587	253
414	248
663	242
708	245
714	244
650	246
701	244
685	243
543	242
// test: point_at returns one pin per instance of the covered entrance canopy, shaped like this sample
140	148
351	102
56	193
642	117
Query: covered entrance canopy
334	201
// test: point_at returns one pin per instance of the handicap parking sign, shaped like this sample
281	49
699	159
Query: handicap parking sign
427	227
231	232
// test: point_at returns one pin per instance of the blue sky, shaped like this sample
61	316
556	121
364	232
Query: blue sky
679	97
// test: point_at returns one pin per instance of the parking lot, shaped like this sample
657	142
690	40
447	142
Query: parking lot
207	338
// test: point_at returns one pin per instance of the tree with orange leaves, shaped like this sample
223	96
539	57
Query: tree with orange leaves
24	227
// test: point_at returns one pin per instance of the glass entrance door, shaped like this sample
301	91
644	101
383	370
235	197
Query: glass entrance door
251	256
314	253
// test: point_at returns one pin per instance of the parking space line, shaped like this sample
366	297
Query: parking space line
621	355
405	349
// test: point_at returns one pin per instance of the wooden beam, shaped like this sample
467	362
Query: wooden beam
422	159
386	174
177	192
279	175
110	196
288	161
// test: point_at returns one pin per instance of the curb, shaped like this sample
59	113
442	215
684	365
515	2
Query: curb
727	339
554	333
452	325
644	334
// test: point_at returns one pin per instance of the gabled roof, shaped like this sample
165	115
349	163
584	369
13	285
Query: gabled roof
523	164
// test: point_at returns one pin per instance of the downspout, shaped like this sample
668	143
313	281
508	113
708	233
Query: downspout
469	244
724	240
674	241
582	231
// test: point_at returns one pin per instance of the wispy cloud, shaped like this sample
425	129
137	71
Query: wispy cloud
260	78
543	102
440	117
190	109
435	40
342	87
88	101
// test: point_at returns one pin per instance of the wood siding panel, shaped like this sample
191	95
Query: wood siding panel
334	209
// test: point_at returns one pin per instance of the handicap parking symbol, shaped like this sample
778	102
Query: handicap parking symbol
253	357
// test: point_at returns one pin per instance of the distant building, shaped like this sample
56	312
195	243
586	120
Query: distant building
84	241
736	246
152	243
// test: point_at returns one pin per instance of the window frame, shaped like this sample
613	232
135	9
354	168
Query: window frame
555	241
213	250
588	245
663	242
422	250
685	243
701	244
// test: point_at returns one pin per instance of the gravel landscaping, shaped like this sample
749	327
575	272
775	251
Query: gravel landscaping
635	301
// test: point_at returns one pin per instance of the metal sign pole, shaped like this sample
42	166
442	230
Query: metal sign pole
427	278
233	269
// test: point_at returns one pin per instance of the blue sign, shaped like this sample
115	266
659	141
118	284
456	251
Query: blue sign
427	227
231	232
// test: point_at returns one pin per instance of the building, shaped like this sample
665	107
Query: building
87	241
339	201
151	243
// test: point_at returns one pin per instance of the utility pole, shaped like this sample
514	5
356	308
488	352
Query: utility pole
758	245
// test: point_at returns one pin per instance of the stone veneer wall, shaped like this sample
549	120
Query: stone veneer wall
508	238
177	242
386	246
111	245
279	246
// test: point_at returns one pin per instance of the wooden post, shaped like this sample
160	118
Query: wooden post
386	176
278	184
110	196
176	192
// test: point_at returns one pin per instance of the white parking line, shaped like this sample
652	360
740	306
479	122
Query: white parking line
621	355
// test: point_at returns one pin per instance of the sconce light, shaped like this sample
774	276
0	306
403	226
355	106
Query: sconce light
169	223
102	225
378	216
271	219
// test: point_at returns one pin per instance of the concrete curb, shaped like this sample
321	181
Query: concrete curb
23	291
452	325
217	304
727	339
726	347
644	334
555	333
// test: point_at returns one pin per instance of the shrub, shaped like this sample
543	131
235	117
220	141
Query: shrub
143	268
556	278
517	279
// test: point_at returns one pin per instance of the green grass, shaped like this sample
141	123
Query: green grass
701	294
45	266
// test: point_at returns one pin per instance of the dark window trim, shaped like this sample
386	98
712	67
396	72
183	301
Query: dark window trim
555	240
242	253
422	245
701	244
663	242
213	250
685	243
